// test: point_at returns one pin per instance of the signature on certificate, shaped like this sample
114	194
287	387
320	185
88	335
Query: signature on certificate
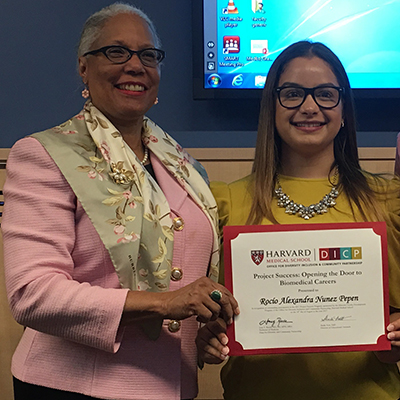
335	318
275	323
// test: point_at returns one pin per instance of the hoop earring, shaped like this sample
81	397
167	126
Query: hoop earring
156	101
85	93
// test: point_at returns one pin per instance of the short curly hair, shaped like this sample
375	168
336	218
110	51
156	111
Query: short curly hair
93	25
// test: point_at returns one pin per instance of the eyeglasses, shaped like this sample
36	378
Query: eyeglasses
119	54
326	97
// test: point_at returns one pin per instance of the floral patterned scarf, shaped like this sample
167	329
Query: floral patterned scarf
124	203
142	213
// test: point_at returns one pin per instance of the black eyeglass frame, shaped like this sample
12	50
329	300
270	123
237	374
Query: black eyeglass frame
310	91
131	53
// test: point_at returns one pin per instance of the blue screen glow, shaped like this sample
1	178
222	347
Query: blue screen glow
243	37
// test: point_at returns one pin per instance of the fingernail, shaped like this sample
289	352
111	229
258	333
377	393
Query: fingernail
391	335
390	327
230	321
224	340
225	351
237	311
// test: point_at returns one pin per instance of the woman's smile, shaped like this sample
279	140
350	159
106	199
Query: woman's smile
131	88
308	126
123	92
308	129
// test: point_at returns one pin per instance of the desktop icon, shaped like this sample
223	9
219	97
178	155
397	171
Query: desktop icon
259	80
214	80
238	80
211	65
259	46
231	44
231	9
257	6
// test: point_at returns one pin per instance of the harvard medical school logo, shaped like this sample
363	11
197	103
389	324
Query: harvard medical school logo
257	256
285	256
340	253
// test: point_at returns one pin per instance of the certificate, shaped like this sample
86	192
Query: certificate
308	287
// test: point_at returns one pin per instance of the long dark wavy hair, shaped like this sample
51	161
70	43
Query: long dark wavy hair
352	179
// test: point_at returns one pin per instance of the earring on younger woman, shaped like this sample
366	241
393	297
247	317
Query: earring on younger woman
342	124
156	101
85	93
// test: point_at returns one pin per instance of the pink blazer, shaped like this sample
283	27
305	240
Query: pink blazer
62	285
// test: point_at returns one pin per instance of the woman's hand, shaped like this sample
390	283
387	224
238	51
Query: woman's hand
194	299
392	356
212	342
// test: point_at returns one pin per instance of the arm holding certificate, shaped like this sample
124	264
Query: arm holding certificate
324	295
392	356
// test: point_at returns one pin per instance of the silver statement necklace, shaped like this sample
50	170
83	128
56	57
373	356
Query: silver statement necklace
306	212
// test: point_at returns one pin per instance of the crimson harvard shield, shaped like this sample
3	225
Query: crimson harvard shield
257	256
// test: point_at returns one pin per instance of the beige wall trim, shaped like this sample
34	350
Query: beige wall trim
230	164
223	154
377	153
247	154
3	157
4	154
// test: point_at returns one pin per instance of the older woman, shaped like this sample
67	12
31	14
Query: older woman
109	233
306	148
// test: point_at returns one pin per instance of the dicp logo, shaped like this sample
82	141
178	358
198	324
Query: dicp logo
340	253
